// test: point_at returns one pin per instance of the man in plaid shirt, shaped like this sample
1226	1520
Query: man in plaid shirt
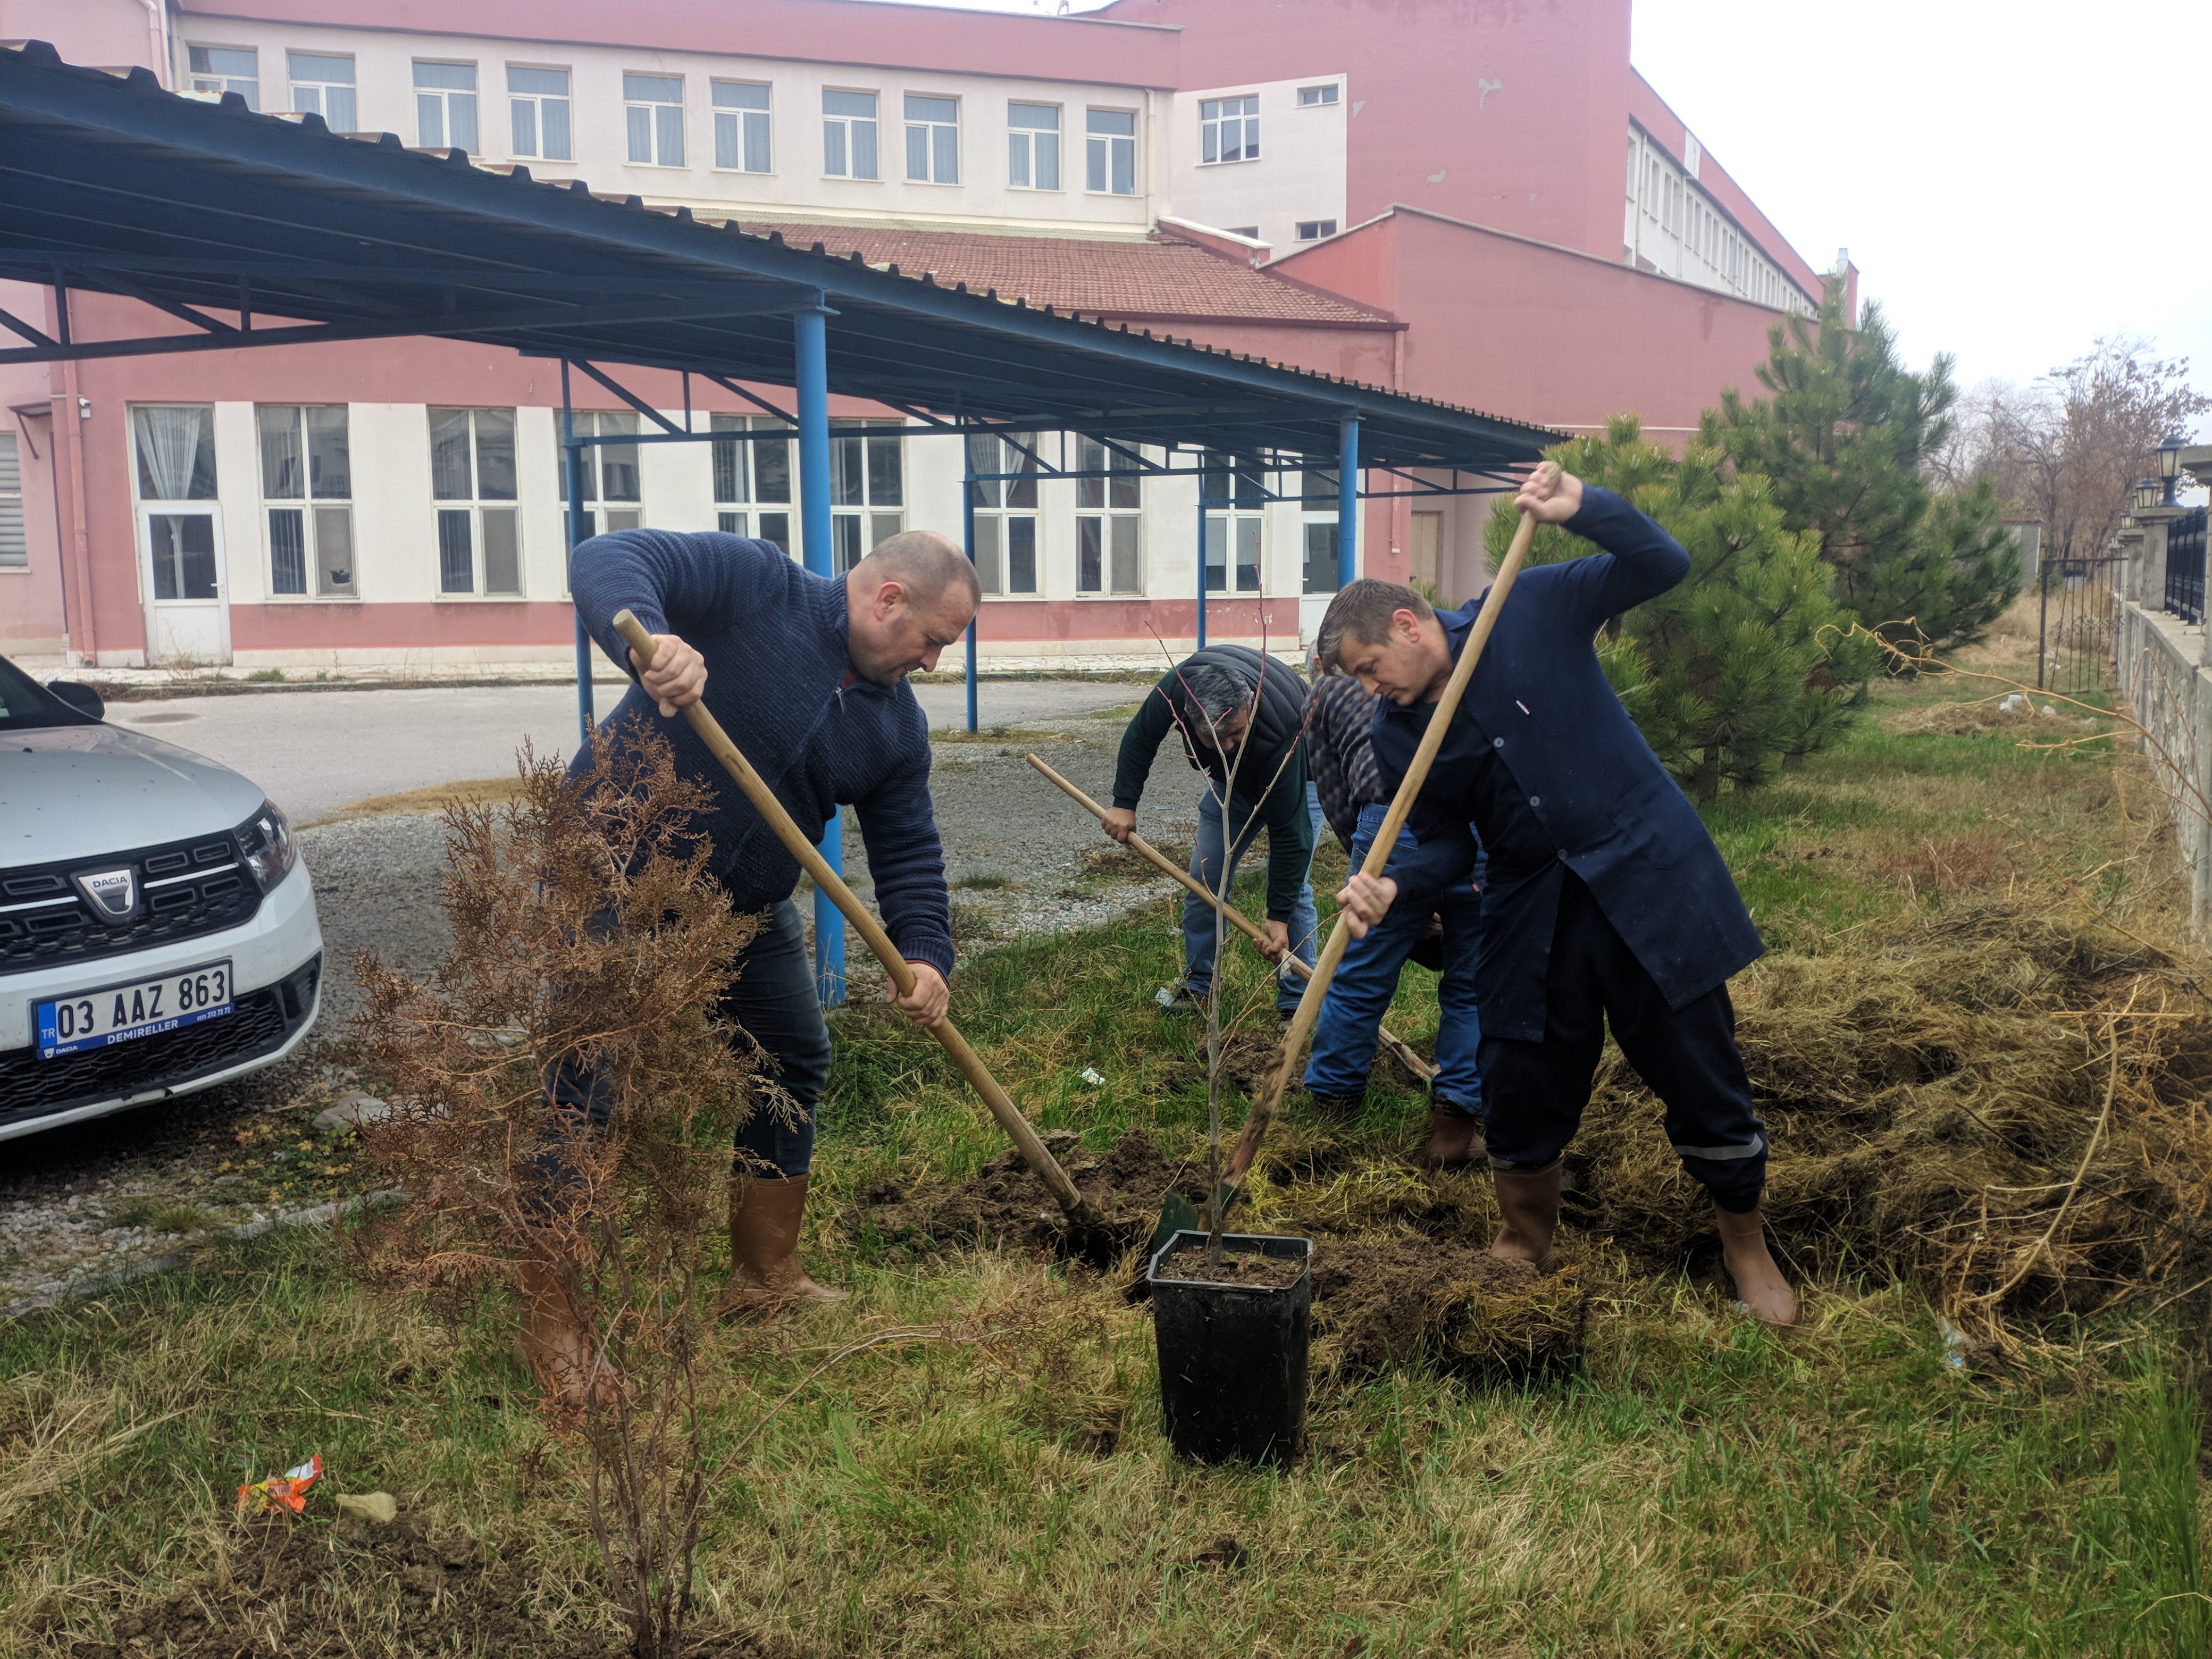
1342	764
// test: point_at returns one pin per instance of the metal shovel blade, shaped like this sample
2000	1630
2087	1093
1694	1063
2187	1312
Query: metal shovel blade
1179	1215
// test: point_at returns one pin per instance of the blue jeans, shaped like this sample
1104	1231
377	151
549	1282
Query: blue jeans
1198	919
1351	1013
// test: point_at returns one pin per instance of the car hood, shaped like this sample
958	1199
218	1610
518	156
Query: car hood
70	792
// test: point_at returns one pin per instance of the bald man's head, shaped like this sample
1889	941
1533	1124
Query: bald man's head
908	600
926	564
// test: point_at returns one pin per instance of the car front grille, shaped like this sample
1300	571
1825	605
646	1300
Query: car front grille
186	889
260	1024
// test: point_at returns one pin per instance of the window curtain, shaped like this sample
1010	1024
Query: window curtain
169	436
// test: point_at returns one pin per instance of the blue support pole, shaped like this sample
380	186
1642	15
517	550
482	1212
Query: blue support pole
811	351
571	454
968	534
1201	562
1347	500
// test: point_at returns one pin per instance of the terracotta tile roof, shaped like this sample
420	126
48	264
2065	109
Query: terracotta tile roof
1163	277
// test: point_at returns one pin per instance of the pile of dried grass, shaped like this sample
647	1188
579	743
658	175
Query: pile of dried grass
2003	1106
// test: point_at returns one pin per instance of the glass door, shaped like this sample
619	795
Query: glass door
188	621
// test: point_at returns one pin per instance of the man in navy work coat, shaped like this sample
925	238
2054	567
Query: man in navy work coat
807	674
1605	899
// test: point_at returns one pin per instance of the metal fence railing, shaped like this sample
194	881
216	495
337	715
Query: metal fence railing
2185	565
2079	616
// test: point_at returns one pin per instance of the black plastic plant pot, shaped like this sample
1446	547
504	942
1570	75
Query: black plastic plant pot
1233	1356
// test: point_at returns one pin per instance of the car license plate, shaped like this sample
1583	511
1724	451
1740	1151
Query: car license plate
142	1007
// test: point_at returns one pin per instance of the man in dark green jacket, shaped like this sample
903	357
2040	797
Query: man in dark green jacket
1241	717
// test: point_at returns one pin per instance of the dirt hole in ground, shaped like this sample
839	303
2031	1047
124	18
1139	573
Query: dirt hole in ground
310	1589
1005	1204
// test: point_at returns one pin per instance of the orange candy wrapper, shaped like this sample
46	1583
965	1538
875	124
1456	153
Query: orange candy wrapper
288	1490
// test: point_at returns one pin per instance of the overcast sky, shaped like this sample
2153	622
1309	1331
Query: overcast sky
1995	166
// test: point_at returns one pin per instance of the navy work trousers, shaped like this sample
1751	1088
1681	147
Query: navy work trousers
774	1001
1535	1092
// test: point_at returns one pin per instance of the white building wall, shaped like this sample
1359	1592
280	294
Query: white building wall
796	188
1299	178
1672	226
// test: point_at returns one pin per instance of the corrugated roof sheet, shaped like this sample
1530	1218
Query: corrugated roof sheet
1162	278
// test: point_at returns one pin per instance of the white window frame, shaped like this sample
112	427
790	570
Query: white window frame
541	148
1323	95
219	81
1318	504
658	127
1235	527
15	549
473	512
740	507
939	139
1315	230
841	127
749	128
1101	149
1112	515
1023	149
1245	119
608	468
454	106
859	519
321	91
321	512
1006	510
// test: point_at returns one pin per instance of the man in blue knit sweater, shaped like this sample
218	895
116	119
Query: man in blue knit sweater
808	676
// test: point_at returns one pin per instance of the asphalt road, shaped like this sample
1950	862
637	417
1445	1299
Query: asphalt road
315	751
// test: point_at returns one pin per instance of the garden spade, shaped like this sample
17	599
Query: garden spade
1421	1070
1081	1210
1177	1214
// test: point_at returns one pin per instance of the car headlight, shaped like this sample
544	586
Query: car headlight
266	840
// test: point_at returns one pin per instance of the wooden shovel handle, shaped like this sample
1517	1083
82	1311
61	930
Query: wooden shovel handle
1034	1150
1378	855
1422	1071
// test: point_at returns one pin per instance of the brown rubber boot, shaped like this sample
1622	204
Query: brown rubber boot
1455	1138
552	1347
1765	1295
1528	1200
764	1271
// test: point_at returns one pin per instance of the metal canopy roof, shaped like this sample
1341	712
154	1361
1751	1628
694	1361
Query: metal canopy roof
221	218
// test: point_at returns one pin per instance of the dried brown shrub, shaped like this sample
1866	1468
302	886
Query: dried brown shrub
588	939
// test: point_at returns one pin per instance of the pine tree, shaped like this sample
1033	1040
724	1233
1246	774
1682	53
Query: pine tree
1846	436
1748	664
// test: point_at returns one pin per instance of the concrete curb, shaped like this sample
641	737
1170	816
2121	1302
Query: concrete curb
315	1216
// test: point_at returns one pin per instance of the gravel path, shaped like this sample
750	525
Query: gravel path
83	1201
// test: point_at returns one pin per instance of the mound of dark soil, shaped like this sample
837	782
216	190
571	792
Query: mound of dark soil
1005	1204
1396	1301
309	1590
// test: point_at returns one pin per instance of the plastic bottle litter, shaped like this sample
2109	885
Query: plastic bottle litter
288	1490
1955	1343
2013	700
1092	1077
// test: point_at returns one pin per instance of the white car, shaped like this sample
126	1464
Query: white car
157	930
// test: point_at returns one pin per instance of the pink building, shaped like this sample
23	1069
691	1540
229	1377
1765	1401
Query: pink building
1485	206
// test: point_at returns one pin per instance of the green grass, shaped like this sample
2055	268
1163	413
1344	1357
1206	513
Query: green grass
1699	1486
